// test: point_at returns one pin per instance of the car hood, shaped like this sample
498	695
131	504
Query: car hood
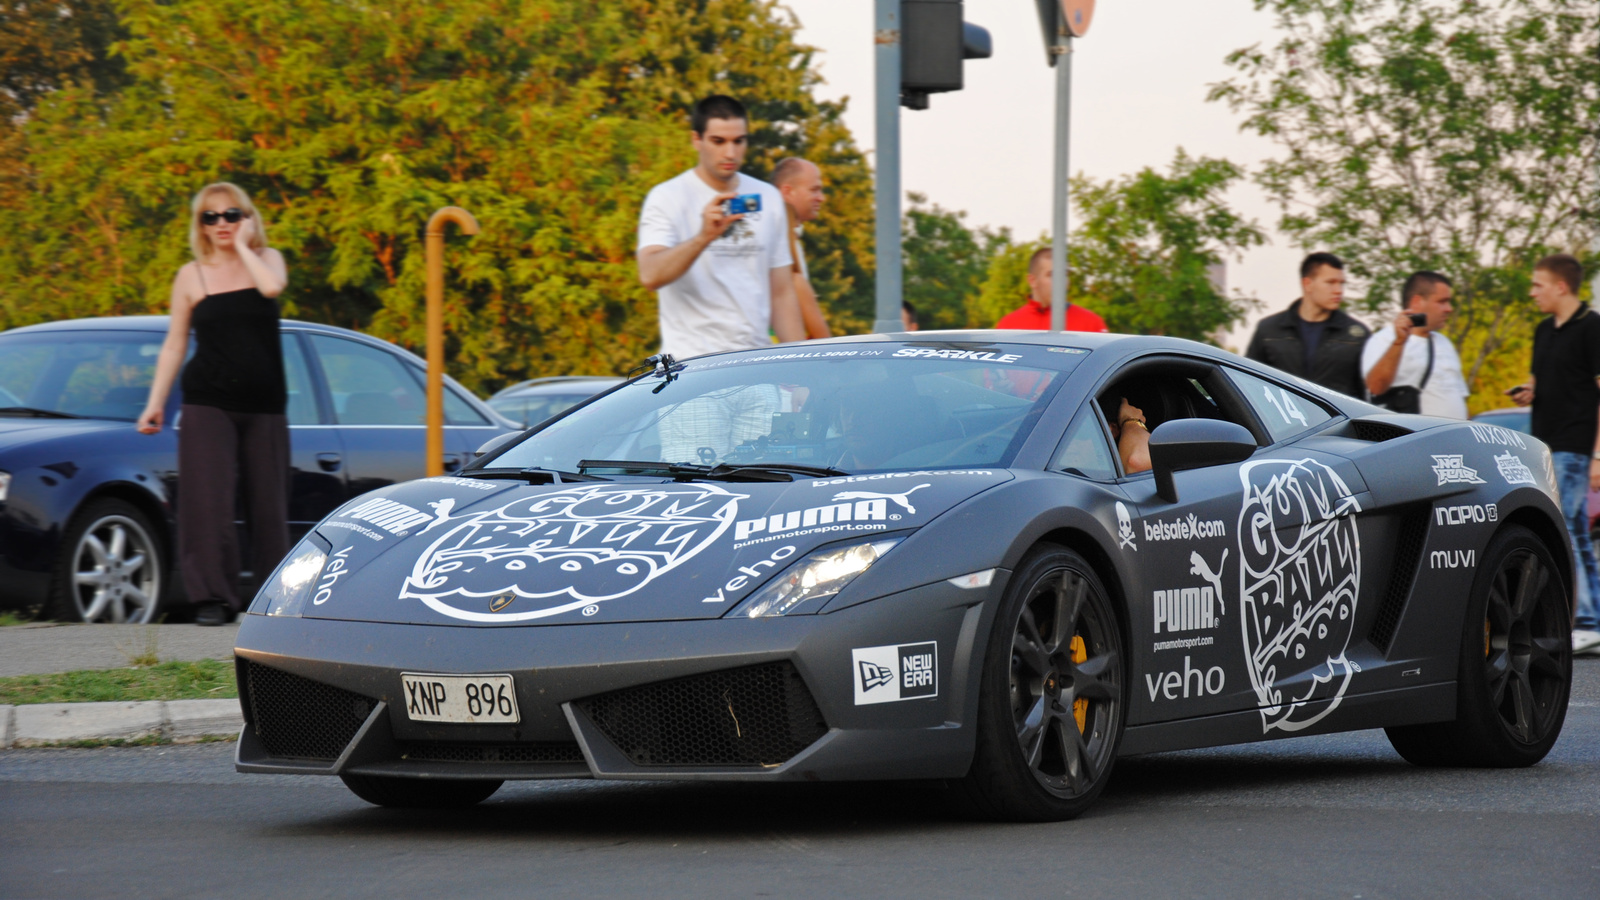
462	551
16	431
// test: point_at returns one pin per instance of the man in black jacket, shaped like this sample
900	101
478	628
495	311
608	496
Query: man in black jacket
1313	338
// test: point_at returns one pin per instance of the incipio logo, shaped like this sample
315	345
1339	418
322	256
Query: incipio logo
895	672
392	517
1471	513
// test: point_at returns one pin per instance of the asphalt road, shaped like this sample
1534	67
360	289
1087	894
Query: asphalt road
1336	816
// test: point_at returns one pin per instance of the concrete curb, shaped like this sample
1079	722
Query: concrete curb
43	724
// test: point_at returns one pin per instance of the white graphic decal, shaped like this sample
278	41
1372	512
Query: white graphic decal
337	566
748	575
1299	577
1468	514
901	500
1184	529
875	509
473	483
1452	470
895	672
1170	684
1452	559
1286	407
976	355
1494	434
571	549
1125	528
1513	470
395	518
888	476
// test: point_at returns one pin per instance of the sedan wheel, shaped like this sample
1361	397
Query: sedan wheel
1515	671
111	568
1051	709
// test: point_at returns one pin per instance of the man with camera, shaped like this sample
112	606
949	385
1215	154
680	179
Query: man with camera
714	245
1411	368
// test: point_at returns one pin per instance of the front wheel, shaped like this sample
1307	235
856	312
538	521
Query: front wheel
110	567
1515	671
1050	707
420	793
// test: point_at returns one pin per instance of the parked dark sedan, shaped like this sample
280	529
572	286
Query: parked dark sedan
87	504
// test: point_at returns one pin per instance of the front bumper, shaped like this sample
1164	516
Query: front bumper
692	694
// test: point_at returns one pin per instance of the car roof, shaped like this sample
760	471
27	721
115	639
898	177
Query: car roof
557	384
157	323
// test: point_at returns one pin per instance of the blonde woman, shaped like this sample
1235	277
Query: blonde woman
233	399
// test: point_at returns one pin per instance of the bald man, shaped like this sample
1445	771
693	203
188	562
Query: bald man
800	183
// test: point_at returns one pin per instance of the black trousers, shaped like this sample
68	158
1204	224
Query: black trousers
213	446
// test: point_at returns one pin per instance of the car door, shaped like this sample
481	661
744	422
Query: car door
378	405
316	453
1183	557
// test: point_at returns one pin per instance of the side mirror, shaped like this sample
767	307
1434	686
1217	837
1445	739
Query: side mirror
496	442
1195	444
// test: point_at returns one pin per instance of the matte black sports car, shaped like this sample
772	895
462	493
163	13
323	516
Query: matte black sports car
920	556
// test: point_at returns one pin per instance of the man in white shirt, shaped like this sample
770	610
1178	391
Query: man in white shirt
800	183
722	279
1398	356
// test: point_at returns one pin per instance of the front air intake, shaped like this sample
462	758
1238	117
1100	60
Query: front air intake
299	718
752	716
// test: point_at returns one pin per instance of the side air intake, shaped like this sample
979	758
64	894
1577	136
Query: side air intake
1402	574
1376	432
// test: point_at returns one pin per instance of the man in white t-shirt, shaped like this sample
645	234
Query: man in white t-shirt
1398	356
722	279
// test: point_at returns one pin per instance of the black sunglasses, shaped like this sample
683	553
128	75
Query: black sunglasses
230	215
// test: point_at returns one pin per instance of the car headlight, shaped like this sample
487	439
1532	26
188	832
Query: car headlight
816	576
5	485
286	592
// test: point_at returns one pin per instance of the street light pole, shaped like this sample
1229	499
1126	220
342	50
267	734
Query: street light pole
886	40
1058	218
433	253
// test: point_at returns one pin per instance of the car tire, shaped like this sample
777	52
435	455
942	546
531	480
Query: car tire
1515	671
110	568
420	793
1051	699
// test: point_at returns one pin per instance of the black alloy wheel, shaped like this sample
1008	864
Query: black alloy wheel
1051	706
1515	670
420	793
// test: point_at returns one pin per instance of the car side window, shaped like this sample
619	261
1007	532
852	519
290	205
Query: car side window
369	386
1085	452
1286	413
302	408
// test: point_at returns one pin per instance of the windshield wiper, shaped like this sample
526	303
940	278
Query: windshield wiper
719	472
533	475
37	413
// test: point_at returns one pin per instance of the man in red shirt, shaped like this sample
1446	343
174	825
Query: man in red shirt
1035	314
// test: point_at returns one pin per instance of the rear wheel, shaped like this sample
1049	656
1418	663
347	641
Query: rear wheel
420	793
1515	673
110	567
1050	707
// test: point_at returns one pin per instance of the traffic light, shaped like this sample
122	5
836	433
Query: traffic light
933	42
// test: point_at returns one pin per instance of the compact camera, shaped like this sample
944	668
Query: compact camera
742	205
1418	320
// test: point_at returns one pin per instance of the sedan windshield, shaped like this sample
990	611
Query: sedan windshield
879	408
93	374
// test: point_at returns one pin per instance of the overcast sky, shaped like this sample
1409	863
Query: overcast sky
1140	79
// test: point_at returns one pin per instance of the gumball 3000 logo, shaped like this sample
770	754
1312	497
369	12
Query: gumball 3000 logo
545	555
1299	575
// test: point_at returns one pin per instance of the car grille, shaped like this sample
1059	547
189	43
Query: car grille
752	716
554	752
298	717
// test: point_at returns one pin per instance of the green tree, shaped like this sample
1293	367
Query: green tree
1432	134
1005	284
1143	252
350	124
945	261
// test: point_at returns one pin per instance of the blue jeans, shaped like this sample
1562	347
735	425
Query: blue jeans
1572	480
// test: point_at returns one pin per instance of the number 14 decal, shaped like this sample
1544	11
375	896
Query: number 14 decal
1286	406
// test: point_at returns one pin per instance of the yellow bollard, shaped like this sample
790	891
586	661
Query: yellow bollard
433	251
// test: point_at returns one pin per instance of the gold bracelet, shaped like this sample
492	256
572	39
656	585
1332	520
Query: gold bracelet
1138	422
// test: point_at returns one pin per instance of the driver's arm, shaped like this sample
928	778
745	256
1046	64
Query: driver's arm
1133	438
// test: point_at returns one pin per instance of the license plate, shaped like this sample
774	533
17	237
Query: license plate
471	699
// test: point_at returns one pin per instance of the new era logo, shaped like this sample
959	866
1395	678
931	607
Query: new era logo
896	672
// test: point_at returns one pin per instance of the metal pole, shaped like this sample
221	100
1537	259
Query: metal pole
1058	219
886	38
433	252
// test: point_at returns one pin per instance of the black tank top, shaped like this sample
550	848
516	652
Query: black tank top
238	358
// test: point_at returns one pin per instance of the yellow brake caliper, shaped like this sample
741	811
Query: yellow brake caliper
1080	707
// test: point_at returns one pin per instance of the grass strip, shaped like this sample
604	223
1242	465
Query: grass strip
12	618
207	679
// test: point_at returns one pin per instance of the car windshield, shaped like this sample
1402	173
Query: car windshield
94	374
868	408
